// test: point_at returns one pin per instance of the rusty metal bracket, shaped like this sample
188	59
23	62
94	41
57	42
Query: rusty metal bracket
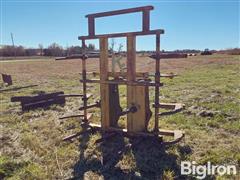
132	109
96	104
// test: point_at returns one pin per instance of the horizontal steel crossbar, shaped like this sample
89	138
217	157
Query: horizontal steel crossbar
137	33
122	11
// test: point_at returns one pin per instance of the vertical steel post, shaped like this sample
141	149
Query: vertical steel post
91	26
145	20
84	80
157	81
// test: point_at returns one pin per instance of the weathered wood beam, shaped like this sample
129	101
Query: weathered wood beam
104	88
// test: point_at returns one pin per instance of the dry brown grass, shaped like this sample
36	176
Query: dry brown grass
41	70
32	146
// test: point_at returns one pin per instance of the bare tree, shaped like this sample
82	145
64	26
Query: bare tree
116	56
55	50
91	47
40	46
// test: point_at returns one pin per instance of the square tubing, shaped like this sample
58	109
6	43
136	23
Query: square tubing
84	77
91	26
145	20
157	80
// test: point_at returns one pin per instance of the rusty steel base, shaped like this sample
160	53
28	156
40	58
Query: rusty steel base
176	134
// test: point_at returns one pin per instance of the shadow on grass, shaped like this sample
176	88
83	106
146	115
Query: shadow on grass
152	159
105	165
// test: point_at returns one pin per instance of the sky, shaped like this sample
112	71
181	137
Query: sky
189	24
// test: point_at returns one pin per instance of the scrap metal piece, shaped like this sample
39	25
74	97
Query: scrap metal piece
96	104
168	55
71	116
17	88
175	107
7	79
43	100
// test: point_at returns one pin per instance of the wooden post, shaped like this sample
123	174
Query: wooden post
131	58
131	76
136	95
104	88
157	80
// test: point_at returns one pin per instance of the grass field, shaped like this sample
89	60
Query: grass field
32	146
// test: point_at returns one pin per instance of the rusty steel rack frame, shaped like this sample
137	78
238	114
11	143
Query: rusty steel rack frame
134	87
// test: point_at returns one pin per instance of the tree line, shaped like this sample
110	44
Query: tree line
56	50
52	50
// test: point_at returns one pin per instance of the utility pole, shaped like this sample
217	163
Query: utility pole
13	45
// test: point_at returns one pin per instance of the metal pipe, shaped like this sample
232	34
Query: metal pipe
96	104
157	80
84	77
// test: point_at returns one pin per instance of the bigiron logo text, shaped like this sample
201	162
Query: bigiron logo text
201	171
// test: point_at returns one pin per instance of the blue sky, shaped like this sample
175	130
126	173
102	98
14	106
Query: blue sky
187	24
